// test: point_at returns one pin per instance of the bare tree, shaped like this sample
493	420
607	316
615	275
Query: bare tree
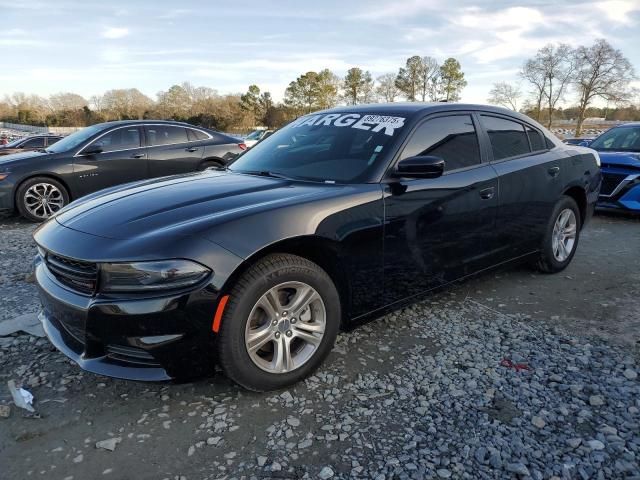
387	89
429	74
555	64
533	74
601	72
505	94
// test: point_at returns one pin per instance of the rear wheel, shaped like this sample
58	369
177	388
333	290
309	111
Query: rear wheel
561	239
279	324
39	198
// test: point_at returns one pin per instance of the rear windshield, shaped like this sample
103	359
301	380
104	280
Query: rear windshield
333	147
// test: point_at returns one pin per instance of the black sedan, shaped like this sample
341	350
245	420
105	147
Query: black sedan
340	216
39	183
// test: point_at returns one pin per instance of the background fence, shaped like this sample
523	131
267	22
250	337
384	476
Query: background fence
35	129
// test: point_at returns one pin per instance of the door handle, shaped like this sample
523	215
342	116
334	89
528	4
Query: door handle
487	193
192	149
553	171
138	155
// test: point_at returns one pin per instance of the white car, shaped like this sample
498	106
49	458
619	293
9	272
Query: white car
255	136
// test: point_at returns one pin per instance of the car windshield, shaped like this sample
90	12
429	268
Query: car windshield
333	147
625	139
75	139
254	135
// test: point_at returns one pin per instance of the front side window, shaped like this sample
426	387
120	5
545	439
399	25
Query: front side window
75	139
332	147
626	139
119	139
37	142
452	138
508	138
165	135
52	140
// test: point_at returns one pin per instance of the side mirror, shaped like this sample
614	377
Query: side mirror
91	150
420	166
585	143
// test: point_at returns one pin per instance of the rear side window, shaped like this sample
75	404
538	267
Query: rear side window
536	139
119	139
452	138
508	139
196	135
37	142
52	140
165	135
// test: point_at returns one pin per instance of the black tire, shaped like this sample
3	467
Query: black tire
268	272
21	200
547	262
209	164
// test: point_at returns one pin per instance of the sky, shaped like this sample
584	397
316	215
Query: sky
88	47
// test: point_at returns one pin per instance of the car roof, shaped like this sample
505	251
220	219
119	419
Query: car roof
134	122
629	124
414	108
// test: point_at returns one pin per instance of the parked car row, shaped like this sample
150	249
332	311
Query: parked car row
340	216
40	181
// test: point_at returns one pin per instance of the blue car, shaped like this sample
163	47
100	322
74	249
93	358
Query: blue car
619	150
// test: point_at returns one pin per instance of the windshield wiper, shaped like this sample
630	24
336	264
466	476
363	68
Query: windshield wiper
264	173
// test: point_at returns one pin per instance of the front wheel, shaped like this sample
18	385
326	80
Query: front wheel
279	324
561	239
39	198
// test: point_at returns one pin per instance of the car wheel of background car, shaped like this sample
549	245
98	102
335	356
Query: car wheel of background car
561	238
279	324
209	164
40	197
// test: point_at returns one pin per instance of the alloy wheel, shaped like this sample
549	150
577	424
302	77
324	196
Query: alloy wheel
285	327
563	239
43	200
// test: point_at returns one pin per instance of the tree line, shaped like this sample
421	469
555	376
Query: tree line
555	74
420	79
584	74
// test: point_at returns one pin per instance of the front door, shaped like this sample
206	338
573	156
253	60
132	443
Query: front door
438	230
122	159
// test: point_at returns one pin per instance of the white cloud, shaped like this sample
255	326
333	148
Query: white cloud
619	11
115	32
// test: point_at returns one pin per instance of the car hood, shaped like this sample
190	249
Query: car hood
185	205
621	159
6	160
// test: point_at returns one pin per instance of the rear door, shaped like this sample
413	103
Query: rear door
171	150
441	229
529	182
122	160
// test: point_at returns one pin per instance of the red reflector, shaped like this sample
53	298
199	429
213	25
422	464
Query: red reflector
242	146
219	311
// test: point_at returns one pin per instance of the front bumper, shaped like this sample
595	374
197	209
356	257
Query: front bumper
621	190
150	339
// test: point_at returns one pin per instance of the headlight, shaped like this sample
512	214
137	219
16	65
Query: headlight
145	276
3	176
597	155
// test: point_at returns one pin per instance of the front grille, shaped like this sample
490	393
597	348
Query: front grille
131	355
80	276
610	181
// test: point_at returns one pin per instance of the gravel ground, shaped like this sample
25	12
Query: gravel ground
512	374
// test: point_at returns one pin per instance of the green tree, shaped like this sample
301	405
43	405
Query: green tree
409	78
450	82
175	103
312	91
357	86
